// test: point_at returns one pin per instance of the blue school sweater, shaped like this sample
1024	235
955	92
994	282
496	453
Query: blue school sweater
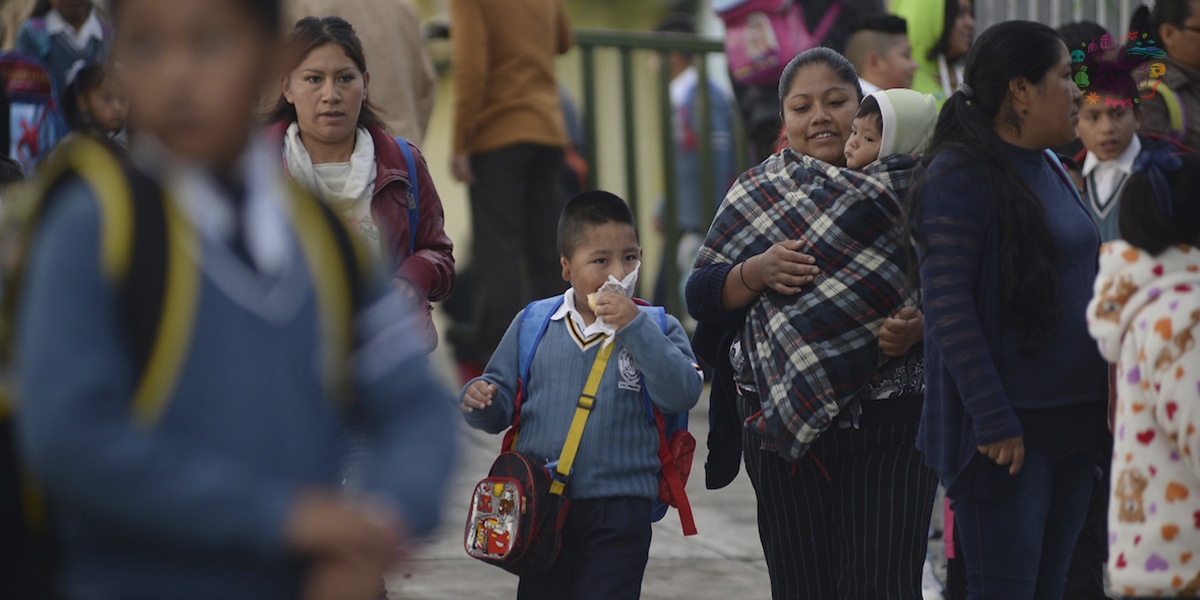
194	507
618	455
975	371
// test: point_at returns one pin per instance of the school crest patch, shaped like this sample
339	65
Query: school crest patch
630	376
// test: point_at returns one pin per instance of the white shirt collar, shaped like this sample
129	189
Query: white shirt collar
268	234
1122	163
868	87
55	24
682	85
568	308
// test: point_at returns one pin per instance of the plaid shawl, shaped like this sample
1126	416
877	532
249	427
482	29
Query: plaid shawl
813	351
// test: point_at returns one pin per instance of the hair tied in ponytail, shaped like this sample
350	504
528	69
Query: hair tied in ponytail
965	89
1157	165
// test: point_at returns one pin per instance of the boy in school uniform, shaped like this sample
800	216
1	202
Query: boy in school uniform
1108	125
206	464
606	539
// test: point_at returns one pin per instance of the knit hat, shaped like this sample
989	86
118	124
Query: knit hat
908	118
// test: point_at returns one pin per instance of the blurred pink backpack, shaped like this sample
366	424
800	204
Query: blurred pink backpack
761	36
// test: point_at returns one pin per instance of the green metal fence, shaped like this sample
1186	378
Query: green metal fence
627	44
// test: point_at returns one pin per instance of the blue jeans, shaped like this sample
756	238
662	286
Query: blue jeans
1017	542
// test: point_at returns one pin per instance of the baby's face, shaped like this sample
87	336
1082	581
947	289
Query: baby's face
862	147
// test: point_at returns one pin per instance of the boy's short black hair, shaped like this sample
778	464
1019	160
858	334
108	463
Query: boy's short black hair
1116	80
870	106
589	209
1078	34
880	22
1157	210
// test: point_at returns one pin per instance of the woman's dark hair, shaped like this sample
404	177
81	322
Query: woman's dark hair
87	79
965	133
312	33
830	58
947	27
266	12
1157	208
1172	12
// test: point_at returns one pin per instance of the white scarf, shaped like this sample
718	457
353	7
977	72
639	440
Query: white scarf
357	187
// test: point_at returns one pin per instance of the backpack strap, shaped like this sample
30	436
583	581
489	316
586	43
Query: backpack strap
165	288
414	195
144	254
1176	114
666	460
338	267
535	319
826	23
1062	172
587	400
40	36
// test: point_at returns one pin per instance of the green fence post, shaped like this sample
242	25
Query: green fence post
703	117
630	118
589	112
671	214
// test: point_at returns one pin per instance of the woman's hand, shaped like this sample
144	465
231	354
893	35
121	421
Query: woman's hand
1008	451
900	333
782	268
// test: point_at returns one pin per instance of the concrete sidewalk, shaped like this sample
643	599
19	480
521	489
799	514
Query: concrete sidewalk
724	560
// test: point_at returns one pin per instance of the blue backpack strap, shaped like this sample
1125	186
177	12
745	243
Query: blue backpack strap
414	195
534	322
39	35
660	315
1062	172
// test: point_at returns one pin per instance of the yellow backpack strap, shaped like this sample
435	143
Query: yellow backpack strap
339	270
170	334
582	410
1175	114
147	249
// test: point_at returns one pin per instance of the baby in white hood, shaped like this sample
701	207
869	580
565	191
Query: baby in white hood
1145	316
897	121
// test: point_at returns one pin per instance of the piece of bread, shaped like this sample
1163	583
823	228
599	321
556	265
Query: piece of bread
591	299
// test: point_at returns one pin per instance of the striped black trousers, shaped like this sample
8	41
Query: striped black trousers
850	519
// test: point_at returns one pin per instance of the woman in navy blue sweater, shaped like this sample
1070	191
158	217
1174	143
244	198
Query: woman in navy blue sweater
1015	399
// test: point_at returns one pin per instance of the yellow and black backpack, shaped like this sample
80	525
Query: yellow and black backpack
146	253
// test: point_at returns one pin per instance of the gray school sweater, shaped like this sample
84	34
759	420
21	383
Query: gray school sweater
618	455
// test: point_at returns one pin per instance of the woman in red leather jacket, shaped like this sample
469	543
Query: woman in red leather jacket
335	145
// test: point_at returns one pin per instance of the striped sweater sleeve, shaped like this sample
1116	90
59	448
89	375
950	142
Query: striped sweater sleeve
954	222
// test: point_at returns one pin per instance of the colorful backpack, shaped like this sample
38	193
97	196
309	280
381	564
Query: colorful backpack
761	36
676	446
32	112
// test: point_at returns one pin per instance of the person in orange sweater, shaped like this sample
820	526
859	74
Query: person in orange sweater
508	147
